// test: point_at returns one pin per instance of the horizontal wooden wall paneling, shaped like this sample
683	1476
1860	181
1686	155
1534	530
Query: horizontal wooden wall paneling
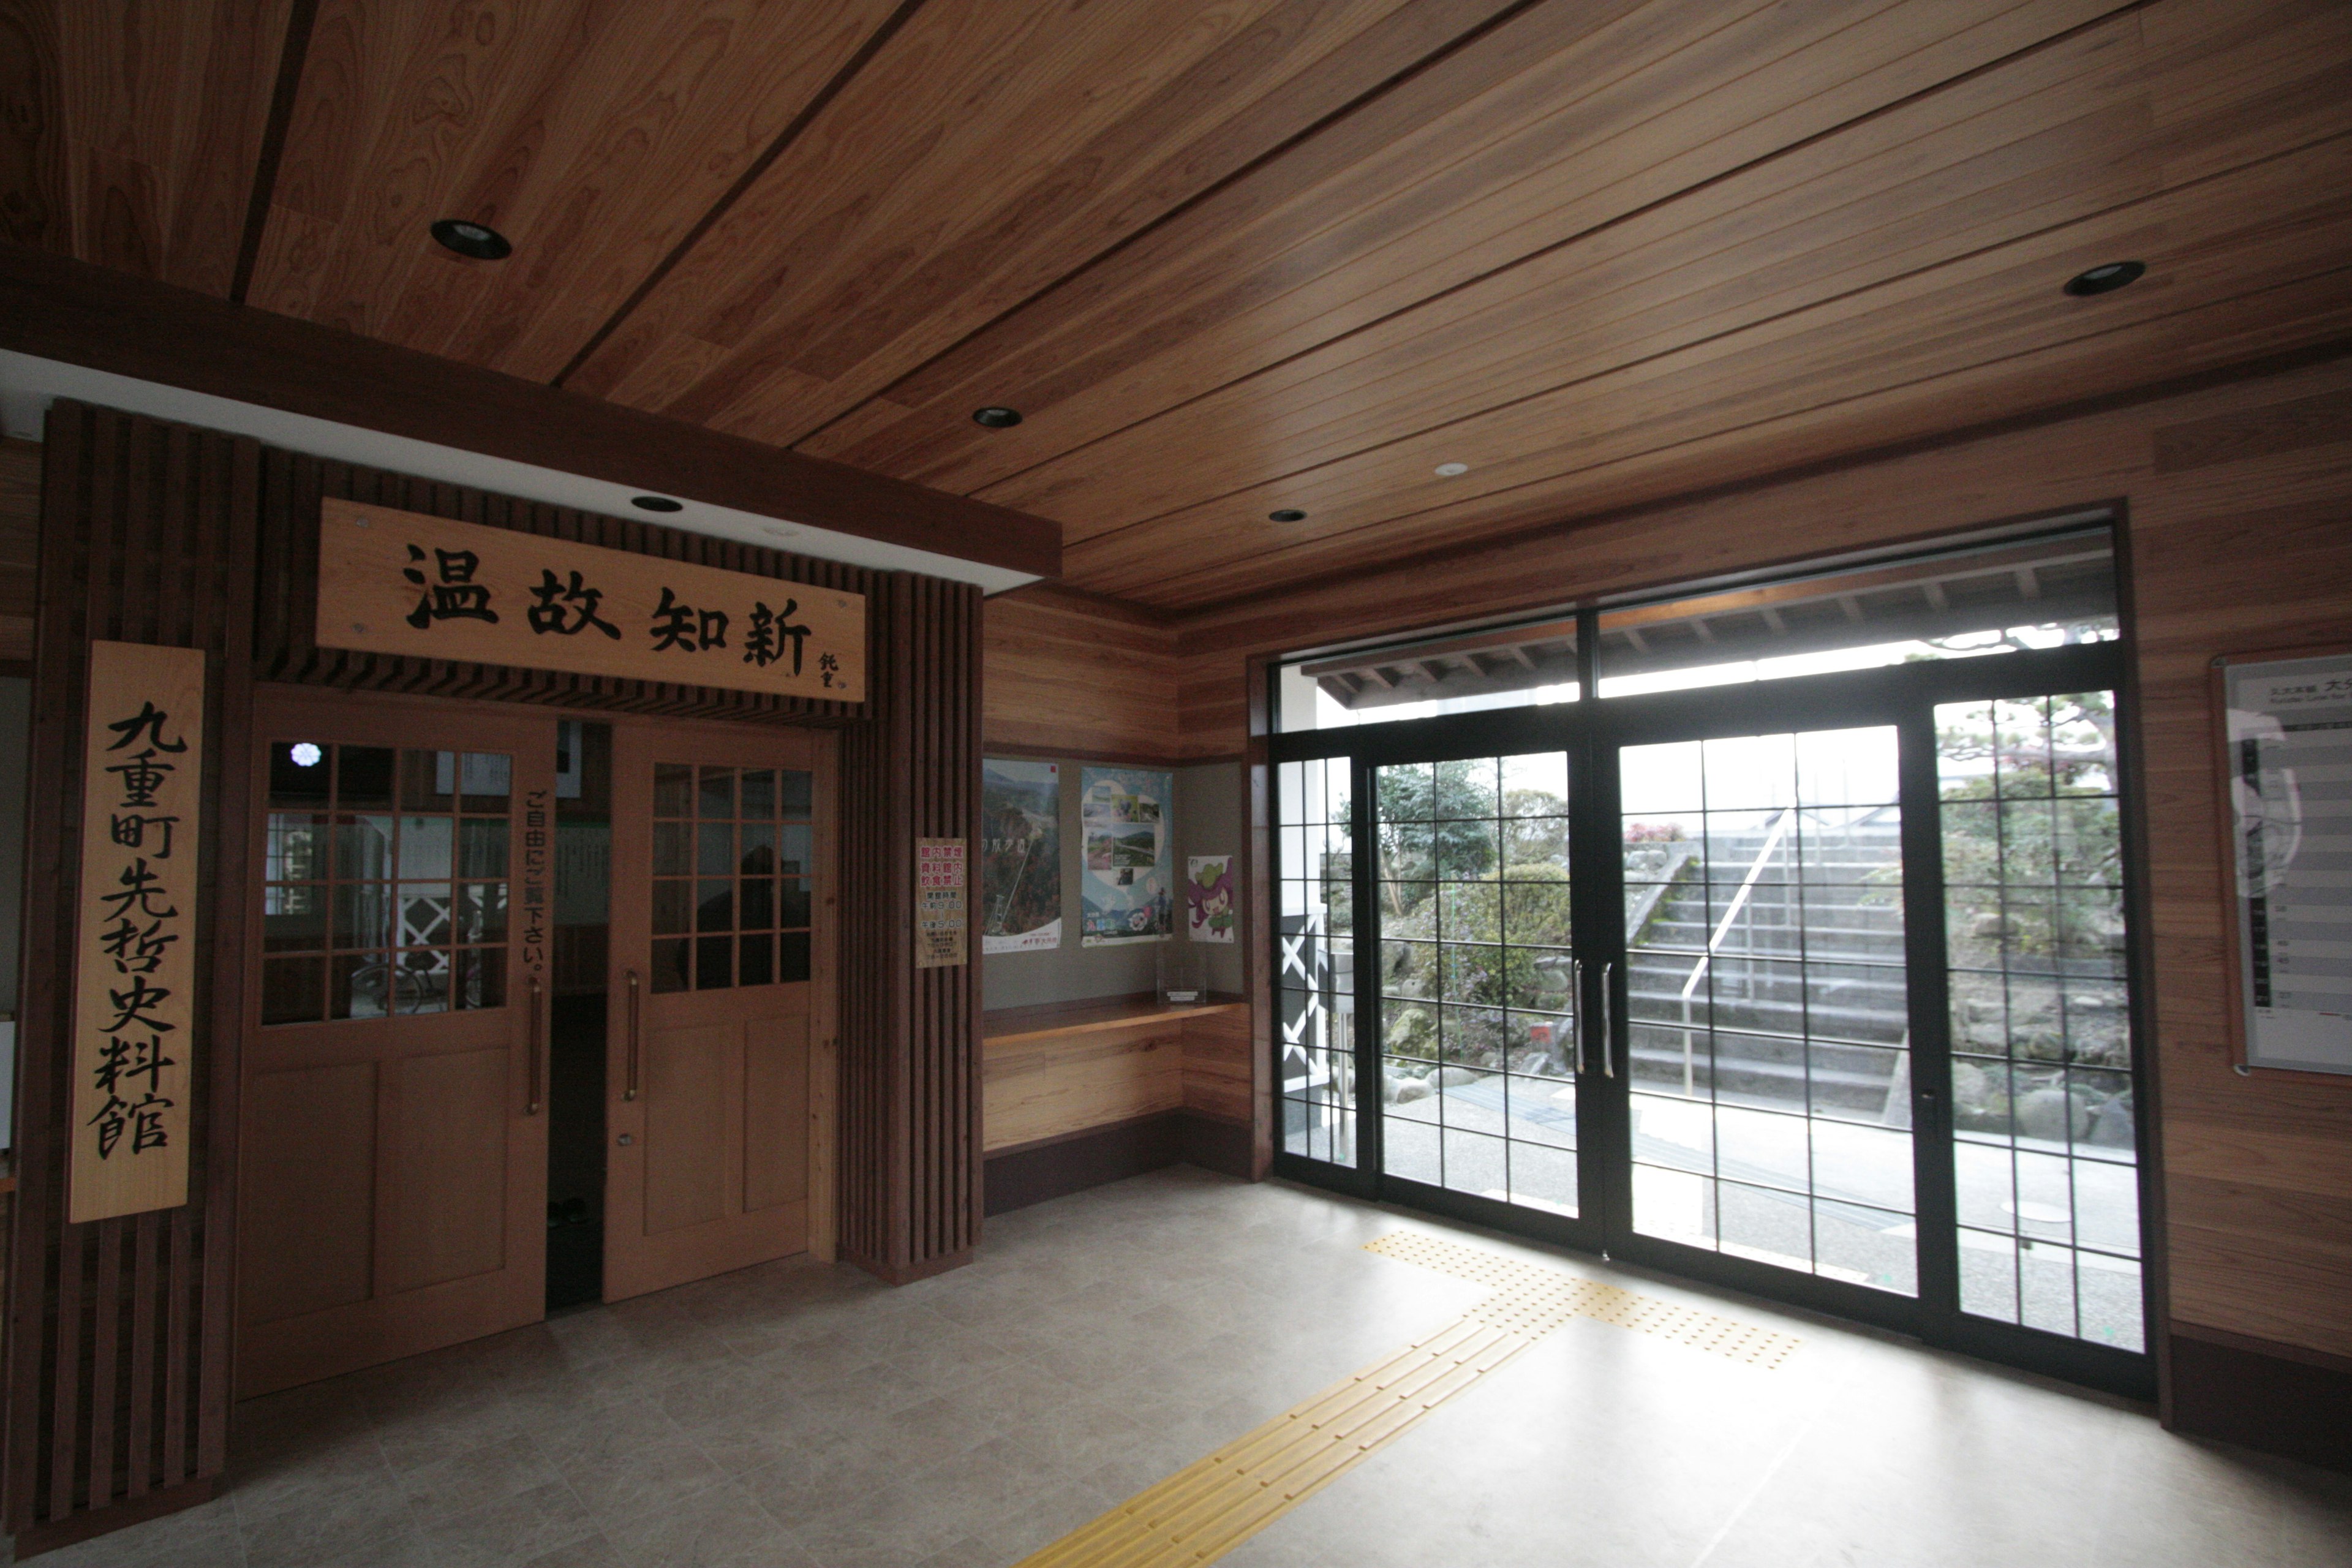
1071	674
69	311
1045	1087
1220	1080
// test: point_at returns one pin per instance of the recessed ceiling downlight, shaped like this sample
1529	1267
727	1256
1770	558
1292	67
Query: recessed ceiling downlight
1287	514
657	503
475	241
1452	470
2105	279
305	754
996	417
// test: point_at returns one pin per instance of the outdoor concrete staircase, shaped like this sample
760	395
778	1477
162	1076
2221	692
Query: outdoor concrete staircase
1782	970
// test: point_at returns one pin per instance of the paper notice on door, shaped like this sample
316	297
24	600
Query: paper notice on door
2289	785
940	919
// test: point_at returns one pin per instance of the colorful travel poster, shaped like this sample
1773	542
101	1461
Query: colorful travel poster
1021	855
1209	897
1128	893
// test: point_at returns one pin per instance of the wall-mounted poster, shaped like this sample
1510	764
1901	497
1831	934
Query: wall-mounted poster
1129	891
2289	778
941	920
1209	898
1021	855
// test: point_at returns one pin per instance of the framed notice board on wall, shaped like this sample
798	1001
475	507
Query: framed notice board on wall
2286	783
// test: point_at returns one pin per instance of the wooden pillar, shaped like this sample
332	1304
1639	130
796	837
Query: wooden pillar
118	1344
910	1037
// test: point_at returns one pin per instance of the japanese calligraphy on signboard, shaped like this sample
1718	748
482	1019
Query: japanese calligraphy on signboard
939	919
538	841
134	1011
402	582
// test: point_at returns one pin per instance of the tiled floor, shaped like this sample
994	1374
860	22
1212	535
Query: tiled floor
800	1415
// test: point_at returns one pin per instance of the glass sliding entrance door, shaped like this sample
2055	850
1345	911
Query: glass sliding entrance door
1806	974
1769	1076
1477	978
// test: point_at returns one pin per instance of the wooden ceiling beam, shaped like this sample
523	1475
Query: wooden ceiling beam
64	309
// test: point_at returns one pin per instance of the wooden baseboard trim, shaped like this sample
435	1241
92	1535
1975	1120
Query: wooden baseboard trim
2236	1340
1221	1146
39	1538
2279	1398
1051	1168
1055	1167
895	1273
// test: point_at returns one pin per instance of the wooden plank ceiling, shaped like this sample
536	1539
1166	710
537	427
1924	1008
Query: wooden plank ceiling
1232	257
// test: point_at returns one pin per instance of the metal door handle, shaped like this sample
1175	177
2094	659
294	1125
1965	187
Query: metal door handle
538	1048
629	1090
1576	993
1607	1036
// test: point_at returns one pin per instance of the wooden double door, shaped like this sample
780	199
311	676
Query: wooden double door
416	858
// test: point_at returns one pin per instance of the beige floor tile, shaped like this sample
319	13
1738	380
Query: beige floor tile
801	1415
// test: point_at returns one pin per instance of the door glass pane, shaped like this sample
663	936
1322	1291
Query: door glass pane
1771	1092
2045	1157
369	890
1315	993
1477	979
735	826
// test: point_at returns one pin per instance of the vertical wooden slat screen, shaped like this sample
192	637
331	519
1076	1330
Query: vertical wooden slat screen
119	1332
117	1350
910	1057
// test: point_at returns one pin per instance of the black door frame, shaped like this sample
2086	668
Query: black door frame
1591	731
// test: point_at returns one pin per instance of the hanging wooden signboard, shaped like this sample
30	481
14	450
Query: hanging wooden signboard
940	921
402	582
134	1000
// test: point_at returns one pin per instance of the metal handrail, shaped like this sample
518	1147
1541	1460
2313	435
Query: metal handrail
1723	928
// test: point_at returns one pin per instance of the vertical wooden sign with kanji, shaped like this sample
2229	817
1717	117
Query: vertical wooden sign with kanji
134	1002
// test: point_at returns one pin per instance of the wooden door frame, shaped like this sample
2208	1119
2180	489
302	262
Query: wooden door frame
824	1015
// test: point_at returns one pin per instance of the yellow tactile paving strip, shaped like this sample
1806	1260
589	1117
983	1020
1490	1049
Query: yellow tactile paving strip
1207	1509
1626	1309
